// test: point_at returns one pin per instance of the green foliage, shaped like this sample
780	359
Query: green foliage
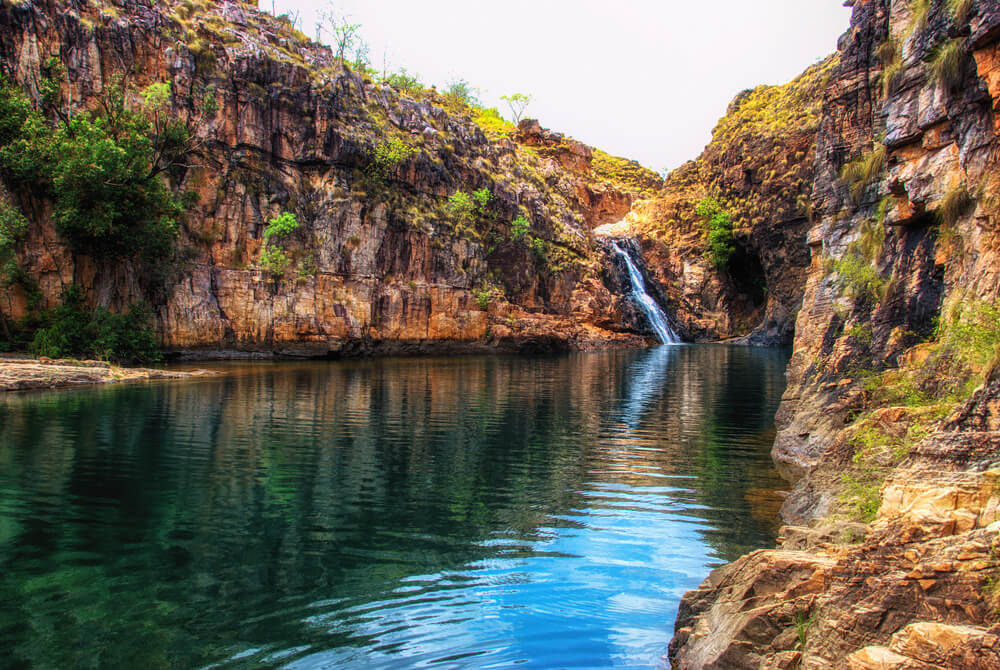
281	226
519	228
482	198
492	124
273	258
404	82
69	330
946	64
464	208
861	172
858	278
717	226
50	86
388	155
862	494
486	295
540	250
461	92
862	333
461	206
970	334
13	225
103	172
209	103
518	103
802	626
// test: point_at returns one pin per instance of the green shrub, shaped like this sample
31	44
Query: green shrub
69	330
482	197
862	493
519	228
12	228
717	226
387	156
540	250
281	226
273	258
862	333
946	64
492	124
486	295
103	172
461	206
858	278
461	92
404	82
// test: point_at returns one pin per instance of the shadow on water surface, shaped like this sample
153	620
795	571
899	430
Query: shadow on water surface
466	512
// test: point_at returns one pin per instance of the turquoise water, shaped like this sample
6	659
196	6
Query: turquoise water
467	512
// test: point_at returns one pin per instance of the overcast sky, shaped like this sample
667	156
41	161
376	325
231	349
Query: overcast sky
645	79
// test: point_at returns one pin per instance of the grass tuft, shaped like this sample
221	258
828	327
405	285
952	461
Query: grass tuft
959	10
946	64
859	173
954	205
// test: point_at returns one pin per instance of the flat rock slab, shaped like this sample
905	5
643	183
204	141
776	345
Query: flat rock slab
20	374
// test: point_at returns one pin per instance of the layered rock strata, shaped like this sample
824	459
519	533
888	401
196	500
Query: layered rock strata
379	263
894	554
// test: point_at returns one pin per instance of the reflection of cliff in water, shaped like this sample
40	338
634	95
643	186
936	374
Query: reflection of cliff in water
276	487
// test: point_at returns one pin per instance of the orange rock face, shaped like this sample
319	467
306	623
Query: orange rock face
914	586
379	262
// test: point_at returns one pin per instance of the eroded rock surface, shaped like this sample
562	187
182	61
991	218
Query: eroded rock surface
894	553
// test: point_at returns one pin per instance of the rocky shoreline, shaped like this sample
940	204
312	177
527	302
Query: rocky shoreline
25	374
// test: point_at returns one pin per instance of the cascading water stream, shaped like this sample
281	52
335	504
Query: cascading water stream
657	319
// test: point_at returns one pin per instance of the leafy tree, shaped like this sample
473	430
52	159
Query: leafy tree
517	102
103	171
281	226
345	38
403	81
273	258
460	91
717	226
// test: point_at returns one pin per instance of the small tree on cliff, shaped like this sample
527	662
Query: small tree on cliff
517	102
717	226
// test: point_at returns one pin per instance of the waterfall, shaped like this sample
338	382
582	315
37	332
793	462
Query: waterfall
657	319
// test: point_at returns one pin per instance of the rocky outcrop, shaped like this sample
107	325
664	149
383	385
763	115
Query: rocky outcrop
894	555
379	263
759	166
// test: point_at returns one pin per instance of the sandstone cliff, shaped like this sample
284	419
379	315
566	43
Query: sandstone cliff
379	262
889	421
759	166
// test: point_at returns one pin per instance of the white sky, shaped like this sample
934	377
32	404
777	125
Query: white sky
644	79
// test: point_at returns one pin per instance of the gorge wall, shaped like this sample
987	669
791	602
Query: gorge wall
380	261
889	423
